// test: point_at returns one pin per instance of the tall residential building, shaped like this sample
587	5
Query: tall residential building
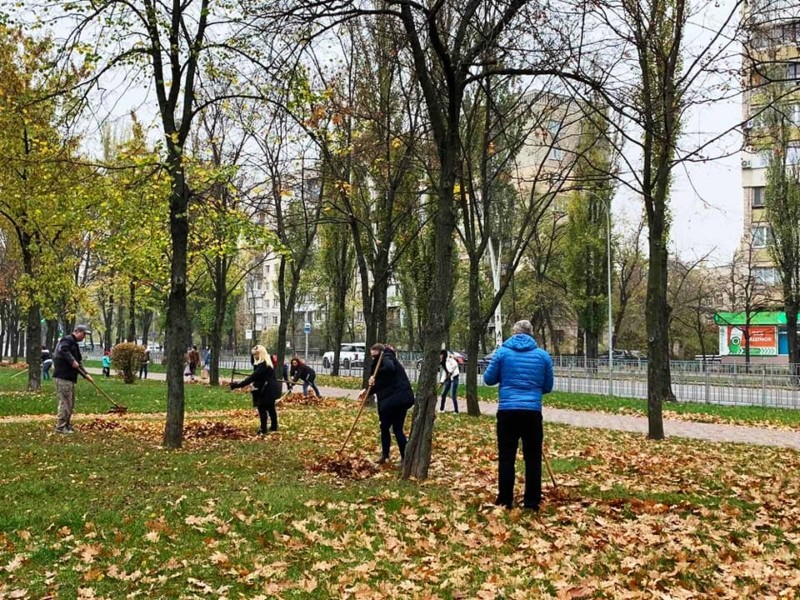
771	60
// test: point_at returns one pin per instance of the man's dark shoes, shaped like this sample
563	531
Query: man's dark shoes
499	502
382	460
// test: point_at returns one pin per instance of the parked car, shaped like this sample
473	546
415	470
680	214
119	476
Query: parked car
351	354
460	357
484	361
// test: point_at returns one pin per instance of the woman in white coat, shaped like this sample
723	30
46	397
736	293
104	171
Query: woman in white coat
449	378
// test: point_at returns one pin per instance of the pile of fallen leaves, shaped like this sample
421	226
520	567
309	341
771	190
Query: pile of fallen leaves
17	365
310	400
345	467
101	425
153	430
212	429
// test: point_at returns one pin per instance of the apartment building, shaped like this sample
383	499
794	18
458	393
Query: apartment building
771	60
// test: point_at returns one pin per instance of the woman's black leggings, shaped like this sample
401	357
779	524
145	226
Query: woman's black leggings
263	410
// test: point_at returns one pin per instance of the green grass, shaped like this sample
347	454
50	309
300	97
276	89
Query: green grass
107	512
141	397
159	368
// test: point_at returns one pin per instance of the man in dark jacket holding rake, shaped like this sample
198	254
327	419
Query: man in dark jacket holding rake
67	365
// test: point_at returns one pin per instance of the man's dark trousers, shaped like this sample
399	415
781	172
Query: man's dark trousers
513	426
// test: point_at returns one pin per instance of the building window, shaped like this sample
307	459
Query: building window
275	320
266	268
276	303
768	276
555	154
761	235
793	71
793	154
559	335
758	197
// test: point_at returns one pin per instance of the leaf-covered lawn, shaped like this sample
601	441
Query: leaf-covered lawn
107	513
142	397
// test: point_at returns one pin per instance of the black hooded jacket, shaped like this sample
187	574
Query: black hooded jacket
392	386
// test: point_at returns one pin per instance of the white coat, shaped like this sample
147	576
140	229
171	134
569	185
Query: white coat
450	370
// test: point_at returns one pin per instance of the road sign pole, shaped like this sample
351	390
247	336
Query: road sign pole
307	331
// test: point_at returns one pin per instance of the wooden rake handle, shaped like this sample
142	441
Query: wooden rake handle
102	393
549	468
363	403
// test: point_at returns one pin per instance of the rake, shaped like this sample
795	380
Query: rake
363	403
116	409
549	468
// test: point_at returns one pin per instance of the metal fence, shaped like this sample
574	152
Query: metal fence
692	381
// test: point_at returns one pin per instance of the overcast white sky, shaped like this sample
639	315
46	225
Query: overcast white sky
706	201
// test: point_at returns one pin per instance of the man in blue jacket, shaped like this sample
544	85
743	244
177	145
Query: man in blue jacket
525	373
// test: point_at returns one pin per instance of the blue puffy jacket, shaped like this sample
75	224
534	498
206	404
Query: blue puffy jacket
524	372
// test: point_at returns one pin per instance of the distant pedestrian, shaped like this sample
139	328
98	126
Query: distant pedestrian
207	361
67	367
106	362
395	397
47	363
449	378
194	360
525	373
265	388
144	364
300	370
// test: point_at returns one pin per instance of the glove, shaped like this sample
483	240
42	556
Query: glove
233	385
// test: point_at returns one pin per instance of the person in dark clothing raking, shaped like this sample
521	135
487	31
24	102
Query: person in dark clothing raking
67	367
265	388
395	396
300	370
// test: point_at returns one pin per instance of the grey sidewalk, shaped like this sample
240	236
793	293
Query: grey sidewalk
600	420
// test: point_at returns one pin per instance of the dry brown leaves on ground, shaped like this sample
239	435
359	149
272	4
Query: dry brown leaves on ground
311	400
345	467
154	430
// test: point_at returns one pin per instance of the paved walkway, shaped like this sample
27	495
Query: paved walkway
579	418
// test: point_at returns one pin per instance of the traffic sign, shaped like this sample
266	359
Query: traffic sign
307	328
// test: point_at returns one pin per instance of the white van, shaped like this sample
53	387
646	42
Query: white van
351	354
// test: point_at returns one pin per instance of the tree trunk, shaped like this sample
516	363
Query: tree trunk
177	328
792	307
220	307
285	311
339	309
108	322
52	334
3	325
592	344
418	452
120	321
132	313
658	368
33	349
473	339
147	321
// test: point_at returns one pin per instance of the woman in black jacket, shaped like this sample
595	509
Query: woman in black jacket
395	397
306	374
265	388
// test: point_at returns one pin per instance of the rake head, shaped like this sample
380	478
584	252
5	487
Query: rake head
117	409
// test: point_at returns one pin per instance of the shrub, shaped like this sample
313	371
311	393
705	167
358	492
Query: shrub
126	358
